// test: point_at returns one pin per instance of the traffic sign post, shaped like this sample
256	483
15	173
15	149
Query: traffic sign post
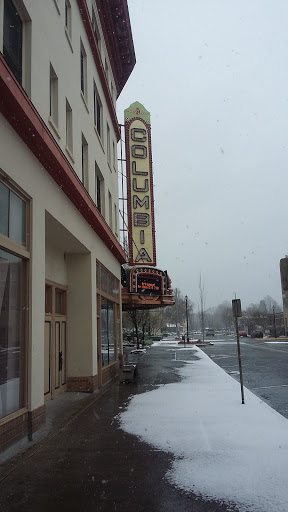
236	308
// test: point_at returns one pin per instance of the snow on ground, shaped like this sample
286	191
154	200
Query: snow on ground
222	449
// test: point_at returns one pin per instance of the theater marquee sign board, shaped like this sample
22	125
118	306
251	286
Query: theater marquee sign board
140	200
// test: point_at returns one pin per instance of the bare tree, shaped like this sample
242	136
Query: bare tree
176	314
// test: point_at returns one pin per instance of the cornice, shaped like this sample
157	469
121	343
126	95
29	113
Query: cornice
21	114
115	21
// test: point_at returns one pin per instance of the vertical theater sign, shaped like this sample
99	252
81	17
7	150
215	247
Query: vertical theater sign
143	285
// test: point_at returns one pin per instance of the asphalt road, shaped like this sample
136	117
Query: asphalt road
264	367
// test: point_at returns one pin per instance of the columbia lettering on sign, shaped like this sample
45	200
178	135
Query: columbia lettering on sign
139	186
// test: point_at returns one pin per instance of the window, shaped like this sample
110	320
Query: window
114	155
12	215
96	30
108	317
84	162
106	69
83	70
13	300
107	332
68	18
115	220
13	39
97	112
108	146
110	209
60	302
12	332
99	189
53	96
17	41
69	127
112	92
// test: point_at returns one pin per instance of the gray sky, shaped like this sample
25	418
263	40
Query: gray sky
214	75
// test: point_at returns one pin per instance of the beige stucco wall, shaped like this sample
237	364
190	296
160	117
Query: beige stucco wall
55	265
37	303
47	40
66	63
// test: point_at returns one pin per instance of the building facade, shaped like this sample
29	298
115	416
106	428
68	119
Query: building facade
63	64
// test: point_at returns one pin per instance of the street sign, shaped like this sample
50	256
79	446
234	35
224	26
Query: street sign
236	307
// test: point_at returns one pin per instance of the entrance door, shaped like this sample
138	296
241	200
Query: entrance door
55	341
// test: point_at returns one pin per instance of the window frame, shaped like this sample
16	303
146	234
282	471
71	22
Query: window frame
26	33
5	241
109	292
68	18
108	145
96	30
53	98
22	252
98	113
99	192
69	128
84	161
110	210
83	73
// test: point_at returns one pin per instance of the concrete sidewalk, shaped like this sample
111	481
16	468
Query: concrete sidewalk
89	463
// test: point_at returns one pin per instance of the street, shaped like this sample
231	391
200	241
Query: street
264	367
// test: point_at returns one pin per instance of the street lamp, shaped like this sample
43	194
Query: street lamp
186	300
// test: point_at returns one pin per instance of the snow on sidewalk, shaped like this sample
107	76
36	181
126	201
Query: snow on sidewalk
222	449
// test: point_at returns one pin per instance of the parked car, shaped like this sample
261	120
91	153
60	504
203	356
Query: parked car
243	333
257	334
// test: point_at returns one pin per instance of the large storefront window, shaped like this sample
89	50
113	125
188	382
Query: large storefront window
107	332
108	289
12	332
14	255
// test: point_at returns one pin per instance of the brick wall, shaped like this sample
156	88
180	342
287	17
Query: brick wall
20	426
110	372
84	384
89	384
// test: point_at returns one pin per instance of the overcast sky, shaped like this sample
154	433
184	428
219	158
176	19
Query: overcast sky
214	76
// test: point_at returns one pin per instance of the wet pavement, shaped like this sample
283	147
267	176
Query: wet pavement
90	464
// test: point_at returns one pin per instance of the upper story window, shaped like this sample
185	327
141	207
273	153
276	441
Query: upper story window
17	42
99	189
108	145
110	209
12	215
68	18
53	96
96	30
98	112
106	69
84	161
115	220
83	71
69	127
13	39
114	155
